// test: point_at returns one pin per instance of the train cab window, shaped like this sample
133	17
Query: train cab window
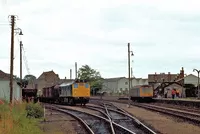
75	85
86	85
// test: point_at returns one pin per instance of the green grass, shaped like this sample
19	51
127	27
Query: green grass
13	120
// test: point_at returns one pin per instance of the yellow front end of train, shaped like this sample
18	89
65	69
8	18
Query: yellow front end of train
81	89
146	91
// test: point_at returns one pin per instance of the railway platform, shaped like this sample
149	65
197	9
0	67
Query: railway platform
179	101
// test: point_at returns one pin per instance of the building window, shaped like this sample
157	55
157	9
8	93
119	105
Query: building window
120	88
126	83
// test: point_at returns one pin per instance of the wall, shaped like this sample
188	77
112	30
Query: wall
121	84
5	91
110	85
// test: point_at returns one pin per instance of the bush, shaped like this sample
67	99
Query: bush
34	110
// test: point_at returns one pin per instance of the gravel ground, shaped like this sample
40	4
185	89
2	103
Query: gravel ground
161	122
59	123
84	110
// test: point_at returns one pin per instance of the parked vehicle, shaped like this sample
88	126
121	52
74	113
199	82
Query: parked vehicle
72	93
141	93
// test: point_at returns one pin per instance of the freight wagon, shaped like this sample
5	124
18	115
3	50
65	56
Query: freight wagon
72	93
141	93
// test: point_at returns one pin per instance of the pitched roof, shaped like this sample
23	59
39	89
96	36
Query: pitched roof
159	77
4	76
186	77
48	74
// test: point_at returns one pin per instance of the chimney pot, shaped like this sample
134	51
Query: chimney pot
65	78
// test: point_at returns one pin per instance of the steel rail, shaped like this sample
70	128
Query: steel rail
109	117
123	112
97	116
85	125
182	115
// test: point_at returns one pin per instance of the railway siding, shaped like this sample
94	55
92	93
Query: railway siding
162	123
58	123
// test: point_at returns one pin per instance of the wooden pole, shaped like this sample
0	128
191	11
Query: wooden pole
12	57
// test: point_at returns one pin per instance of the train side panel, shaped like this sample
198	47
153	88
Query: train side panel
66	91
135	92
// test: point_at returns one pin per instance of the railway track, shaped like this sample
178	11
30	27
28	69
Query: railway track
184	108
108	121
122	118
84	124
186	114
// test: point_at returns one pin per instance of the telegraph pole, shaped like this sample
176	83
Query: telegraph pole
70	73
21	45
131	77
12	56
75	70
21	61
130	53
129	74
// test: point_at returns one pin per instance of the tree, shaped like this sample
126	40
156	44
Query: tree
92	76
29	77
15	77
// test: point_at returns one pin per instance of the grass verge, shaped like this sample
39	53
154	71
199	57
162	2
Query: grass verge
15	120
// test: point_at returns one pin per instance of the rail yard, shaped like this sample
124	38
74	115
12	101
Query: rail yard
99	67
113	116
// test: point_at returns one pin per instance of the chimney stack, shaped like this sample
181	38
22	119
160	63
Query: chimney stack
155	77
182	73
70	73
169	77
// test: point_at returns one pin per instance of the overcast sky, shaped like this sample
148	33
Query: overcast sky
164	35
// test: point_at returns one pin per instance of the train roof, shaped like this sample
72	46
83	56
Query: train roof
66	84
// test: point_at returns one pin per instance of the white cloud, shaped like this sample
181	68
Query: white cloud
164	35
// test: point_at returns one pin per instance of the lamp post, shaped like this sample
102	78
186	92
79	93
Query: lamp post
19	31
130	53
198	71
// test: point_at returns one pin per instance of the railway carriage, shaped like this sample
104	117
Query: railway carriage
141	93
